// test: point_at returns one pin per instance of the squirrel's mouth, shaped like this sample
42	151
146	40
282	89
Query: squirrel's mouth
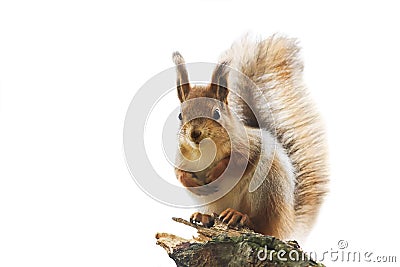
194	145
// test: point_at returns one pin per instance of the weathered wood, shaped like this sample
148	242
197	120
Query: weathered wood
221	245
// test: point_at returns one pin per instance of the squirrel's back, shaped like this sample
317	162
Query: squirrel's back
274	66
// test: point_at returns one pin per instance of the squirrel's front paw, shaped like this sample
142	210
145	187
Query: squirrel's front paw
205	219
234	218
217	170
188	179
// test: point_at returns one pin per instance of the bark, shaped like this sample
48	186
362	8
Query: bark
224	246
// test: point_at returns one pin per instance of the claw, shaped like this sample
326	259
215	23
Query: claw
245	221
196	217
204	219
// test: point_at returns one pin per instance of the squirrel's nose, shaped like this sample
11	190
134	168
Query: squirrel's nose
195	135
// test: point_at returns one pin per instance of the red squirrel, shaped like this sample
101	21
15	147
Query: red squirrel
293	165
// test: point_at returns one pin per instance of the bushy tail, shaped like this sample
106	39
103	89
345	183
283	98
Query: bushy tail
274	66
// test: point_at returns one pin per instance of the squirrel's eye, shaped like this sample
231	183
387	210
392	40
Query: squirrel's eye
217	114
180	116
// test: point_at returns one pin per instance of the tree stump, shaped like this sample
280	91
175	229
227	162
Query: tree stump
221	245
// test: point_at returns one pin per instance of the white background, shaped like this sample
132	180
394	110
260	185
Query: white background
68	71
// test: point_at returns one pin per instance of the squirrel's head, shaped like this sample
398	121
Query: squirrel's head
204	110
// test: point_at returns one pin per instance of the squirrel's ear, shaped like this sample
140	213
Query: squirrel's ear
182	82
219	82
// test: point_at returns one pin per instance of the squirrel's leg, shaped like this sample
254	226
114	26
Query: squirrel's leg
275	216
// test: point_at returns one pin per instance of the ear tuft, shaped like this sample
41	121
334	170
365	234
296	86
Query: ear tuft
177	58
220	81
182	81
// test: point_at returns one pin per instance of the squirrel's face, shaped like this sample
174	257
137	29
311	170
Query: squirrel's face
202	116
